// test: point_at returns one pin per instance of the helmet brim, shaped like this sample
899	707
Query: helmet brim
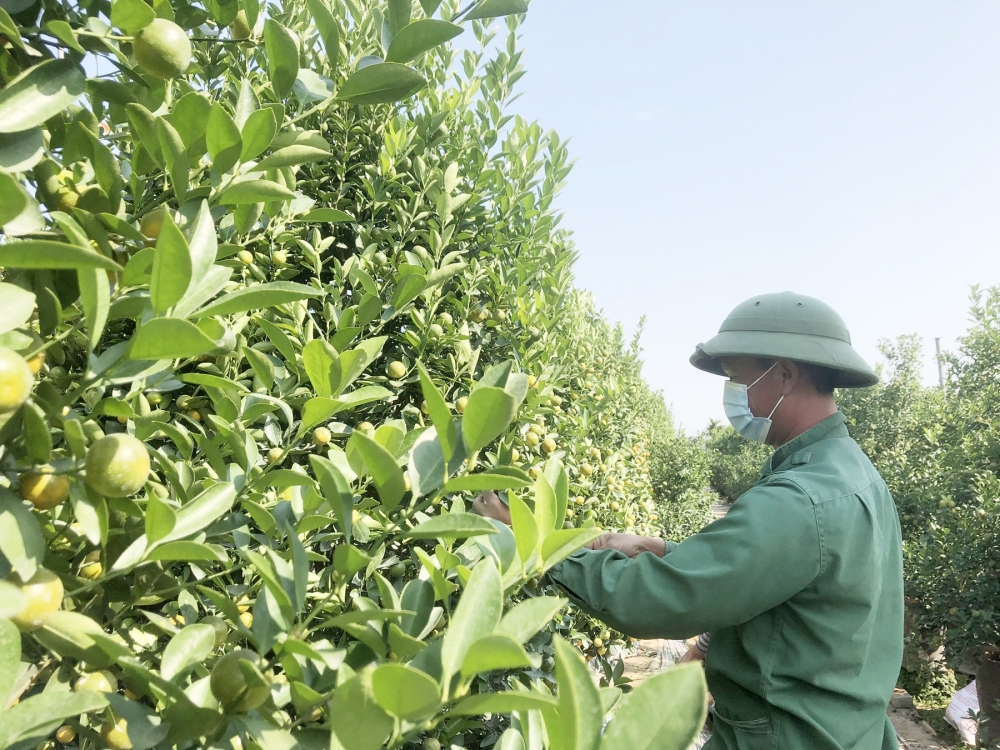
852	370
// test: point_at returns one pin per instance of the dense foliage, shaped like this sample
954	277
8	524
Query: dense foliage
280	293
735	462
939	451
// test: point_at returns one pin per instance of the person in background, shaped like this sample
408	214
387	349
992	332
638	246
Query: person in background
800	585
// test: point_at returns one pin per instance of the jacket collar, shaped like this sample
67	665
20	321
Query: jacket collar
831	427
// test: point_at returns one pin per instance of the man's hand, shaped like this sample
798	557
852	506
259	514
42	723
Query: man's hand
693	654
490	505
631	544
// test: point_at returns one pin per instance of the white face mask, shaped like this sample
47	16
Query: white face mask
736	402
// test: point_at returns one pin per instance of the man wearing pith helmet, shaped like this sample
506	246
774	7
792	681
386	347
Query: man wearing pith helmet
800	585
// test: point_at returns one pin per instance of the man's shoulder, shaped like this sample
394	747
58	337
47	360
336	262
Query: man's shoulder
830	469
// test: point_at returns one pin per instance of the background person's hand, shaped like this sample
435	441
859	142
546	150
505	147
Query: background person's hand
630	544
693	654
490	505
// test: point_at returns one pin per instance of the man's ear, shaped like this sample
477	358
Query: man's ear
790	375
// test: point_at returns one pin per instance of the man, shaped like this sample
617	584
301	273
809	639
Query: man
800	585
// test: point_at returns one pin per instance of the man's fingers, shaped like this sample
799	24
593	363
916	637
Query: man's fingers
601	542
489	504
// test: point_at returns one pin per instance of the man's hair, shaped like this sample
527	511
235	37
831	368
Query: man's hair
823	379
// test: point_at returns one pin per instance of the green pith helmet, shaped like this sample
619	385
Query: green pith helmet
787	326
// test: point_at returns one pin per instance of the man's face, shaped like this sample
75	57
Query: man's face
765	394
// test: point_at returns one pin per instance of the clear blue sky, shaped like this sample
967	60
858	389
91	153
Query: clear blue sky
847	150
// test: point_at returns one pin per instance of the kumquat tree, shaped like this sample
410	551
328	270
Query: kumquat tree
281	290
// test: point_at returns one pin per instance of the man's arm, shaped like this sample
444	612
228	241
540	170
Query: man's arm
763	552
489	504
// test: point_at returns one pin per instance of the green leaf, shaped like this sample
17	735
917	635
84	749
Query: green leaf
28	221
46	254
189	116
282	49
329	30
203	510
253	191
39	93
189	647
326	215
525	528
90	514
171	267
418	37
405	692
529	616
558	480
146	729
169	338
203	247
223	139
430	6
497	8
7	26
174	156
292	156
501	703
488	480
558	545
357	721
381	464
497	651
348	560
439	412
44	709
353	362
10	651
317	410
451	526
144	130
66	35
476	615
131	16
37	435
258	132
19	152
185	551
16	306
546	507
418	596
441	275
576	723
73	635
337	491
382	83
487	415
259	296
12	200
666	712
21	541
398	15
311	87
322	364
160	519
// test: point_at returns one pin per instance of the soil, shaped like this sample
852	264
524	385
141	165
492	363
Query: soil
914	733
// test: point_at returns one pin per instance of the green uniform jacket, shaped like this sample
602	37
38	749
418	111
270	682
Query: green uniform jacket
801	588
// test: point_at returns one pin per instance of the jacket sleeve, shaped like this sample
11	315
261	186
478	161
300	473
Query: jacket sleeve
765	550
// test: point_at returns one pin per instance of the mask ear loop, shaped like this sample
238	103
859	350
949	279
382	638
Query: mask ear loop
776	406
762	377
